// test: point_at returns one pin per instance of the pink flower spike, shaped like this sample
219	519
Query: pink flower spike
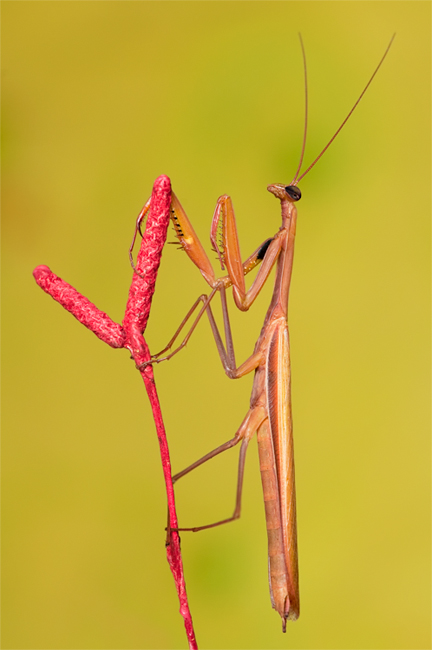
143	282
79	306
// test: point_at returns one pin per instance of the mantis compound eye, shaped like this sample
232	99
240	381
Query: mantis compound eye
293	192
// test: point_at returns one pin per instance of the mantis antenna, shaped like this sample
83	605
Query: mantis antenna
298	178
306	109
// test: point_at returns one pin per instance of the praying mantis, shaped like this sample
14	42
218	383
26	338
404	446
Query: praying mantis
270	413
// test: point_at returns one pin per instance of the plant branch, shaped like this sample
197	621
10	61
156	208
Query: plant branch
130	335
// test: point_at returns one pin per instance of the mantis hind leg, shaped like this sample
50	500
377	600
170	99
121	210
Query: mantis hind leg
250	424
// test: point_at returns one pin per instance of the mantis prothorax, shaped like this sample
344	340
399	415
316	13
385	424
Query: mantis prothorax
269	413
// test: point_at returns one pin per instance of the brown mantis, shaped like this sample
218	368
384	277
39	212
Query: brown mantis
269	413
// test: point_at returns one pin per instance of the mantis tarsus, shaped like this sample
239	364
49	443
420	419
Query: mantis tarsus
270	405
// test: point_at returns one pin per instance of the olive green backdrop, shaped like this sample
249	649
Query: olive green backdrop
99	98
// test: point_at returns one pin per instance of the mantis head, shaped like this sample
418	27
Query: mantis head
285	192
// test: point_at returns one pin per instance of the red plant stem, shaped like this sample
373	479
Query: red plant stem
134	323
173	540
130	336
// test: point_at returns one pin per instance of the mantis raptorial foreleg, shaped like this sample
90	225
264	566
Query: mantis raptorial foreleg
266	253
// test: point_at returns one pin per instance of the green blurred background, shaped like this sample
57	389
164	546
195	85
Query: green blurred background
99	98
